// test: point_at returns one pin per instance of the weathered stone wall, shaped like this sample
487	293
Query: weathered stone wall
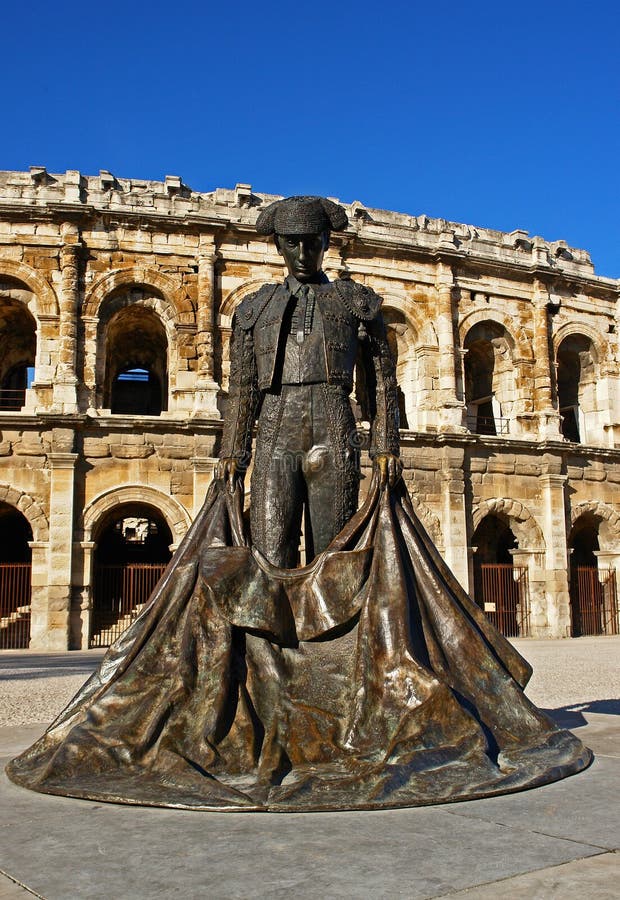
91	262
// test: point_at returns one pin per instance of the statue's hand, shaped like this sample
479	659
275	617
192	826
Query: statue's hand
390	468
229	472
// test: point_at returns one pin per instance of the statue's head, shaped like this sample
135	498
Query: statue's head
301	227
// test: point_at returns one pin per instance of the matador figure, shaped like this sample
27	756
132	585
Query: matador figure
292	358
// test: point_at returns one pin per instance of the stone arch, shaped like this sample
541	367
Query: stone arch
523	524
45	298
168	287
600	346
610	535
234	298
521	344
30	508
176	516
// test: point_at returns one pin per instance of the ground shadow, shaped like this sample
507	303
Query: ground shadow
572	716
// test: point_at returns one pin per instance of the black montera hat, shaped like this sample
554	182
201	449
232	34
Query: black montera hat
302	215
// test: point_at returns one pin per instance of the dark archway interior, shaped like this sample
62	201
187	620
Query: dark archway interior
583	540
136	534
586	590
136	362
493	539
479	369
574	361
18	341
15	532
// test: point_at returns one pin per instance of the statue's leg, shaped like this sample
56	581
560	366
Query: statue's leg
331	467
277	489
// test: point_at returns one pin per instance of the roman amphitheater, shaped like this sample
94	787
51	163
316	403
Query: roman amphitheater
116	302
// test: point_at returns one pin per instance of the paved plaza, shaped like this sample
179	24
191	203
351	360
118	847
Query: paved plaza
559	841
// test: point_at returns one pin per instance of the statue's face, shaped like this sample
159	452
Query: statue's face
303	253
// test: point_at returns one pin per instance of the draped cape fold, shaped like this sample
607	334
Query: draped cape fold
367	679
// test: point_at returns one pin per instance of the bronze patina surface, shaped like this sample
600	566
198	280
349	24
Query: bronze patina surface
364	679
367	679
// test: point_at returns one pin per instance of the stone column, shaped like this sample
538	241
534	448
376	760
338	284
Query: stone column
556	554
83	553
548	416
454	518
62	490
451	408
205	398
39	595
203	467
65	396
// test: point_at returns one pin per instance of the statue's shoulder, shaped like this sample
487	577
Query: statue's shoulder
252	306
358	299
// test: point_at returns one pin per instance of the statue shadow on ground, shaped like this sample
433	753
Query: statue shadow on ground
572	716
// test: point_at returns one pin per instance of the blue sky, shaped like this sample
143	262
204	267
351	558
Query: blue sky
504	115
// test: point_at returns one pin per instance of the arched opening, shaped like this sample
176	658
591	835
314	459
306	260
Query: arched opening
132	551
18	341
593	590
136	352
15	578
576	386
398	333
489	379
500	587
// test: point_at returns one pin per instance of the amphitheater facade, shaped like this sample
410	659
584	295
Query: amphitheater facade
116	302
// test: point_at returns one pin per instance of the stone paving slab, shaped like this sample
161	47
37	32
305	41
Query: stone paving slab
595	878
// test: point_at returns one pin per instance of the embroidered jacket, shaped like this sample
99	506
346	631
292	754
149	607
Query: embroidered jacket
351	322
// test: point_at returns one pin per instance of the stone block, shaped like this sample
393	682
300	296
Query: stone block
96	448
131	451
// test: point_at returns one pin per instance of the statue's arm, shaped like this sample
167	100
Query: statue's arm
243	400
383	401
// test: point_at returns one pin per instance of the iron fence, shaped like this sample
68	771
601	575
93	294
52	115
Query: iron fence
15	590
119	595
505	598
594	601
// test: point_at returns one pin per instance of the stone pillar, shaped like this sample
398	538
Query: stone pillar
205	398
83	552
65	397
535	613
203	467
548	416
556	554
451	408
39	597
454	519
90	360
62	489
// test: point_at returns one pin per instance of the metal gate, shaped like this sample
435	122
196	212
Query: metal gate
15	581
594	601
119	595
505	598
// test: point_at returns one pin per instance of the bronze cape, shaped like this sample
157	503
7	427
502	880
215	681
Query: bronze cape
368	679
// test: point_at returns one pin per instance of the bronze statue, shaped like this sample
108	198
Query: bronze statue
292	356
366	678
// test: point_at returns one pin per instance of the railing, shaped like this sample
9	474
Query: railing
505	598
119	595
489	425
12	399
594	601
15	581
